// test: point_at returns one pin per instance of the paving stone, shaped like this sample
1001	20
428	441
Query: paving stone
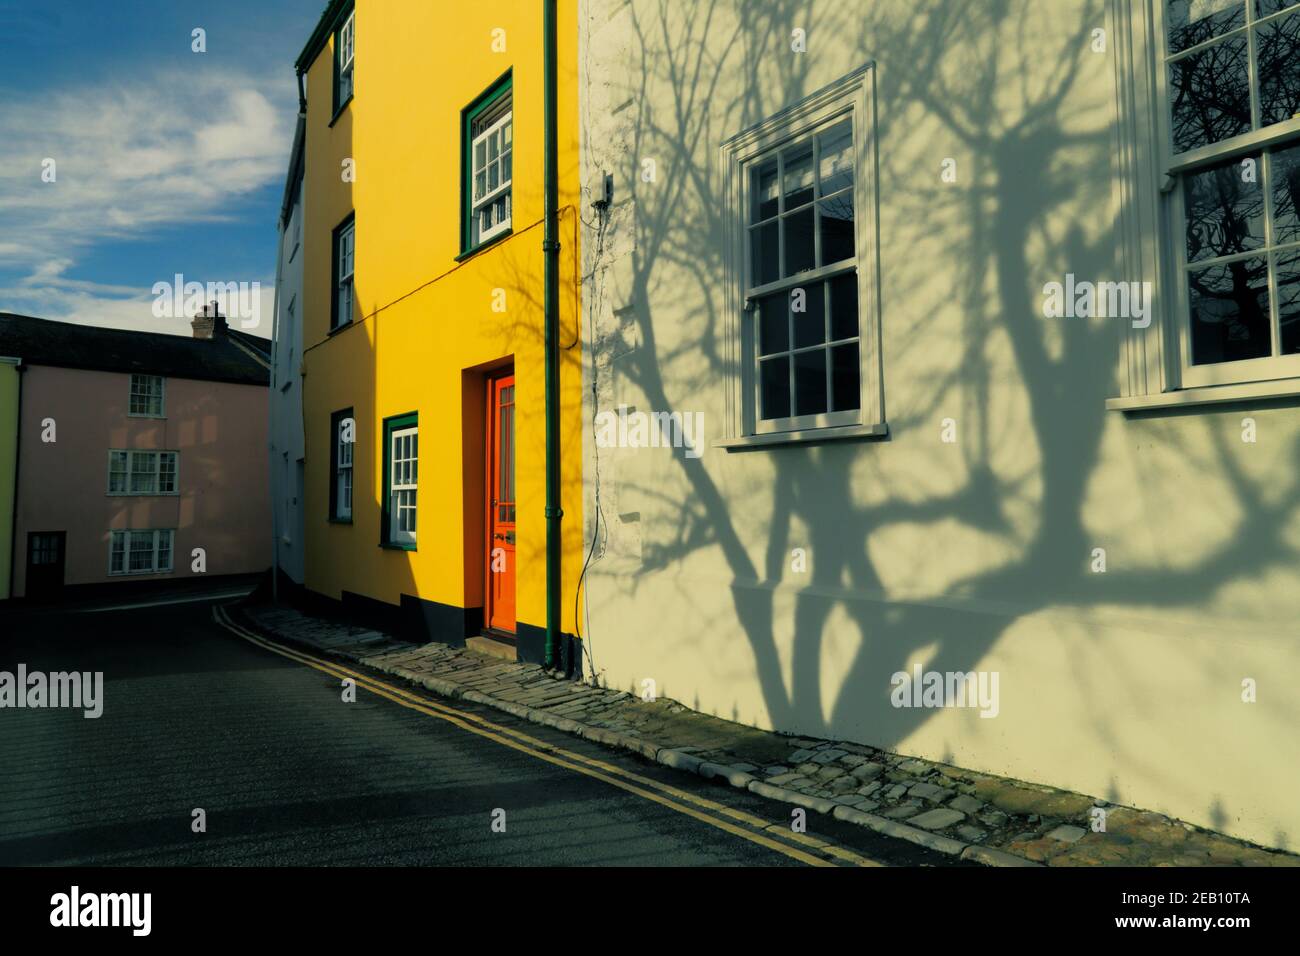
966	804
870	788
843	784
868	771
799	756
830	773
971	834
929	792
861	750
827	756
896	791
808	768
994	818
774	771
852	760
1067	834
786	779
900	813
915	767
937	819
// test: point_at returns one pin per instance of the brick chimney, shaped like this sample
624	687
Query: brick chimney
209	323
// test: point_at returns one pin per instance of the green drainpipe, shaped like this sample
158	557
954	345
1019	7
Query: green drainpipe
551	345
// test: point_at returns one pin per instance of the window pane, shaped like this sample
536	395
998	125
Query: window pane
835	171
507	160
763	191
1288	303
810	382
480	154
774	387
799	251
480	185
1264	7
844	307
773	325
494	176
837	228
1286	195
1229	310
810	324
845	392
1211	95
1225	215
799	176
144	466
766	253
167	472
1277	44
1195	21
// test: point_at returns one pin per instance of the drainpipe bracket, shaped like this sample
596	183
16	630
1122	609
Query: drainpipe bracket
550	245
555	512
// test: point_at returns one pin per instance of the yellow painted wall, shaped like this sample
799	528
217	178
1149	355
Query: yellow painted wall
420	318
8	467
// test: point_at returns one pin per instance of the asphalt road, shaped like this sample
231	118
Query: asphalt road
290	774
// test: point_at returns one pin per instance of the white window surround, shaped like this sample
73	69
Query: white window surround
141	392
499	134
128	464
346	238
347	58
1154	367
851	96
403	482
157	545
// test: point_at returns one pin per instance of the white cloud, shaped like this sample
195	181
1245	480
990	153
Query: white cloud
173	148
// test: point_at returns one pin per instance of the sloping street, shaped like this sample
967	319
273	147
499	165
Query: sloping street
288	773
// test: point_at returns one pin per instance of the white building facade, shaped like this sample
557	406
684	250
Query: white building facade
287	445
992	312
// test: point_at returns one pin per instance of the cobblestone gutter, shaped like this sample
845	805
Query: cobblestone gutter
993	820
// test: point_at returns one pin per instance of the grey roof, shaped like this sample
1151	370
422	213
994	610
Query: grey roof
68	345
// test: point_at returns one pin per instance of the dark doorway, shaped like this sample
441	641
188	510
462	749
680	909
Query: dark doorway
46	557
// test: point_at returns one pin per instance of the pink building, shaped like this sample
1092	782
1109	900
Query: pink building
141	456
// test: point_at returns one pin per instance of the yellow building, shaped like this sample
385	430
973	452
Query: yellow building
423	320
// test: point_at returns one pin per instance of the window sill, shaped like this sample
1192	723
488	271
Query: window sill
157	418
470	253
1208	395
389	546
804	437
343	521
339	328
339	112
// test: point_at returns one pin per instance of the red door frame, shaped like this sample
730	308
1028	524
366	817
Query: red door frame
501	619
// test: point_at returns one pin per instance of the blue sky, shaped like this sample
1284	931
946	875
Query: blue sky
166	160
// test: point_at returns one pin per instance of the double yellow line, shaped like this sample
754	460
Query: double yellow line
774	836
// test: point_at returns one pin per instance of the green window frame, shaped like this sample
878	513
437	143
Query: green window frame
345	56
343	243
486	104
394	423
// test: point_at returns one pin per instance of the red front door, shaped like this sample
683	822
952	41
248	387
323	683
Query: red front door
501	504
